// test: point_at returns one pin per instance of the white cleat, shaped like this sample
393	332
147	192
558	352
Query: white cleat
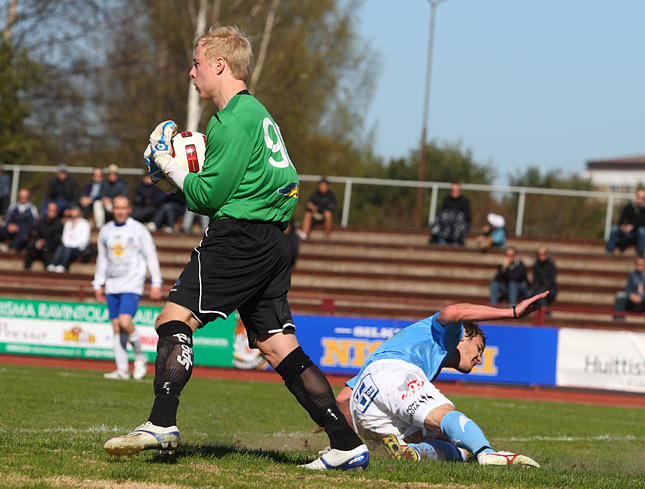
140	369
506	458
117	374
332	458
146	437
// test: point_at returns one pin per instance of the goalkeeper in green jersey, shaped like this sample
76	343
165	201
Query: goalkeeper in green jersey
249	189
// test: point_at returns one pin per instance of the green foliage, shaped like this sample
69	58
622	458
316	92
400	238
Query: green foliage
54	422
18	74
552	215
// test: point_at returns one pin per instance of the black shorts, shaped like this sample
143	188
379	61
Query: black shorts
243	265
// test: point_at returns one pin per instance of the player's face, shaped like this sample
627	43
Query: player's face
121	209
203	74
470	353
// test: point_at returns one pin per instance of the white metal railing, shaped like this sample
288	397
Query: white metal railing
349	182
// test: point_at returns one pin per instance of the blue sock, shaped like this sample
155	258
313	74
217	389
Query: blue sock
437	450
465	432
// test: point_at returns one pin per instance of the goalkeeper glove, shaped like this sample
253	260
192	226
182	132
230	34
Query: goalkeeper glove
156	173
161	137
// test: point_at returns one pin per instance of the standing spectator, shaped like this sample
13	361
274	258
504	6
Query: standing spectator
320	208
510	281
147	200
630	228
125	252
5	190
632	299
168	214
76	237
91	198
18	223
544	277
114	185
63	190
453	220
46	237
493	234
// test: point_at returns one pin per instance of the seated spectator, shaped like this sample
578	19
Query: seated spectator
5	190
630	228
493	234
544	273
76	237
320	209
188	221
45	238
168	214
18	223
510	281
90	200
632	299
453	220
147	200
63	190
114	185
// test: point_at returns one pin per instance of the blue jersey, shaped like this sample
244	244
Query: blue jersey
426	344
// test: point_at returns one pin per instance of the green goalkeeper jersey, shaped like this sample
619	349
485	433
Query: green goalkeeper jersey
247	173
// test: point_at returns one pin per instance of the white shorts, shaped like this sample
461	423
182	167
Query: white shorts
393	397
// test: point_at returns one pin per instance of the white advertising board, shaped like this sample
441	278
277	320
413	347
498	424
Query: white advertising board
601	359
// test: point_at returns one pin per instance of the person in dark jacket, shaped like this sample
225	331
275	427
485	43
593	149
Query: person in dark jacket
90	200
63	190
544	274
18	223
453	220
632	299
510	281
45	238
320	208
114	185
147	200
630	228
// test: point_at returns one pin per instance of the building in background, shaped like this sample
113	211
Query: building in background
623	174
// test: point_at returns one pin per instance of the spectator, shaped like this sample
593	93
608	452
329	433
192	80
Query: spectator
453	220
147	200
168	214
630	228
76	237
5	190
18	223
510	281
493	234
114	185
63	190
46	237
320	208
544	273
188	222
632	299
90	200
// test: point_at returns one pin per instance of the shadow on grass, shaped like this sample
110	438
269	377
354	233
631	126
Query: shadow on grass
218	451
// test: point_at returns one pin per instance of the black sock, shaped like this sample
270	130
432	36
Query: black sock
173	368
308	384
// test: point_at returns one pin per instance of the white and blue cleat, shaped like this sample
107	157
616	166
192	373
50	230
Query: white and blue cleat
146	437
334	459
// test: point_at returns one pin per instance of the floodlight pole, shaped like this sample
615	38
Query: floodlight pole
426	104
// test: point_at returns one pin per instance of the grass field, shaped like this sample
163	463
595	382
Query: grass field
53	424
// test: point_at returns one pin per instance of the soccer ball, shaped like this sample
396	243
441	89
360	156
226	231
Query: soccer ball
189	150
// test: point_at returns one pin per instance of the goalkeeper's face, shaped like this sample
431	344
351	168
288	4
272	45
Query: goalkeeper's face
470	353
203	74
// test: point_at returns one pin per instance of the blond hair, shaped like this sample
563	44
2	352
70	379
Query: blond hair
231	44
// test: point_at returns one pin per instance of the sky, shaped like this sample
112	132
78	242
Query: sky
549	83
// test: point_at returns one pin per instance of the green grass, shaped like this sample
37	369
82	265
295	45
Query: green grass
53	424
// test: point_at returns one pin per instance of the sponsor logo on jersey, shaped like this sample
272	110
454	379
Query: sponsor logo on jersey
291	190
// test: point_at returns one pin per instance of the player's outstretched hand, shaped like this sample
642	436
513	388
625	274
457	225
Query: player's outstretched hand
527	306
